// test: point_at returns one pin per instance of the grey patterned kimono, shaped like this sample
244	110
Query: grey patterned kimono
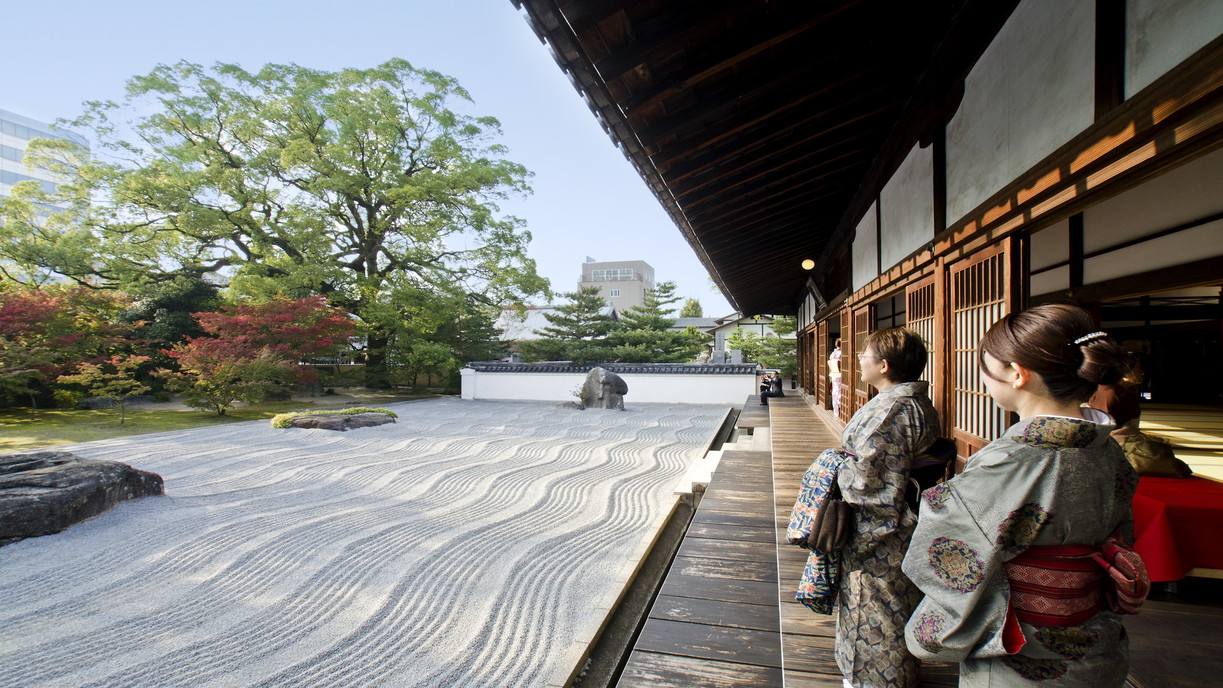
876	599
1048	480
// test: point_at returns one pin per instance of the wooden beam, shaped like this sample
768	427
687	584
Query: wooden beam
1110	55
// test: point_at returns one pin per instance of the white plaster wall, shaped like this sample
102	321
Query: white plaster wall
1185	194
1205	241
1160	34
1031	91
866	244
906	205
688	389
1050	245
1056	279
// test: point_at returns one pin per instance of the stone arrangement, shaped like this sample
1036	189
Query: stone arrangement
603	389
45	492
333	421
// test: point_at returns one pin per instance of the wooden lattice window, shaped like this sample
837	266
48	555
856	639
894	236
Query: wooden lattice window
922	313
980	295
821	386
862	327
849	365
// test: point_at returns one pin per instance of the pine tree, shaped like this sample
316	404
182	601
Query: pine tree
643	334
578	330
692	309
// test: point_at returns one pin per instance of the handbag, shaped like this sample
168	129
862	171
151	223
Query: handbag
833	522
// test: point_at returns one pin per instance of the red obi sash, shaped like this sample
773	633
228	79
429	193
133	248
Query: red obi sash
1056	585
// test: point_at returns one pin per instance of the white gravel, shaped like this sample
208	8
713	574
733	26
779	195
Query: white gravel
464	545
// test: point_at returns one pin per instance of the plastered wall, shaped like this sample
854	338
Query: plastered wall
906	207
1160	34
1183	196
865	248
1031	91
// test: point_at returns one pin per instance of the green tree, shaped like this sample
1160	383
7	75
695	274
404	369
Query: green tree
774	350
643	336
114	378
692	309
364	186
577	331
781	347
212	379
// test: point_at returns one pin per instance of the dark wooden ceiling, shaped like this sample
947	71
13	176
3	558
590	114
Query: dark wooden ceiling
766	127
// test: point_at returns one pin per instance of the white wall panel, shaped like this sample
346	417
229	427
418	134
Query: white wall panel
1031	91
1050	245
1187	193
1160	34
1205	241
865	248
906	205
1052	280
642	389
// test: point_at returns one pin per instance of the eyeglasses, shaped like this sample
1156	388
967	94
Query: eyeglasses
873	358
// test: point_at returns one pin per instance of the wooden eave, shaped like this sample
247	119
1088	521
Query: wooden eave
764	127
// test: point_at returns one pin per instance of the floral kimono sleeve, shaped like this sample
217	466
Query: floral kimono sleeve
968	527
883	445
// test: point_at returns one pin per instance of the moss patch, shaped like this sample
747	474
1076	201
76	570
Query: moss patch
282	420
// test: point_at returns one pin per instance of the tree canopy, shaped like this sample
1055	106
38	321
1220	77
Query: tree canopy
577	331
365	186
643	336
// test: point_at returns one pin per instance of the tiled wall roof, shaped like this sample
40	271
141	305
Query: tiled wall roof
620	368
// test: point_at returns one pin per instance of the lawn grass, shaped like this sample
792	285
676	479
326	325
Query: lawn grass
50	427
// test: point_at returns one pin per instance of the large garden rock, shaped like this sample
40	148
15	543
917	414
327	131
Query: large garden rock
335	421
45	492
603	389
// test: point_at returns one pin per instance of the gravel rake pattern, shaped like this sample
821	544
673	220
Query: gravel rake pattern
464	545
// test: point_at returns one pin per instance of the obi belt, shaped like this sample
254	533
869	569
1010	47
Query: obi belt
1056	585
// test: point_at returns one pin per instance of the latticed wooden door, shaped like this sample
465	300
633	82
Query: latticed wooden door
924	315
862	327
849	365
980	293
821	386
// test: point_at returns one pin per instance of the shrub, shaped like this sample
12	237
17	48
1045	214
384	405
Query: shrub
282	420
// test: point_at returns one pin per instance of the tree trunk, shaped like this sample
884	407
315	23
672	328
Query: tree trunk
377	372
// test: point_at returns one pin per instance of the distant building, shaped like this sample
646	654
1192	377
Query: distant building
16	132
621	283
724	327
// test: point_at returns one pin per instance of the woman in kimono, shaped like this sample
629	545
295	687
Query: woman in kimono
875	599
1003	551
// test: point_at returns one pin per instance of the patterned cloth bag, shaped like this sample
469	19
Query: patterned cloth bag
821	577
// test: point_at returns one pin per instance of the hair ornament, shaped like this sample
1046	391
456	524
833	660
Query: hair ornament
1088	338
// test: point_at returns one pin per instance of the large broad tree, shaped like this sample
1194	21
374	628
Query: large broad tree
367	186
643	334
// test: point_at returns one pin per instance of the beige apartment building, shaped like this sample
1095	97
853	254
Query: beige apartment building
621	283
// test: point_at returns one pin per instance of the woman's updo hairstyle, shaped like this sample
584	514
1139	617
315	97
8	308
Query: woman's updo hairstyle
1060	344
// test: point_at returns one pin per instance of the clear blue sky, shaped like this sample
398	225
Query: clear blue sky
587	201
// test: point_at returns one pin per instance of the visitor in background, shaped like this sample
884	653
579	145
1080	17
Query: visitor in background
834	374
770	387
1003	551
875	598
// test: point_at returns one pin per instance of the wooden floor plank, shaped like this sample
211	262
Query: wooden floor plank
704	641
752	571
716	620
723	532
655	670
761	617
728	549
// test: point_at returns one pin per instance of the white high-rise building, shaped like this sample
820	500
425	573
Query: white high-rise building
16	132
